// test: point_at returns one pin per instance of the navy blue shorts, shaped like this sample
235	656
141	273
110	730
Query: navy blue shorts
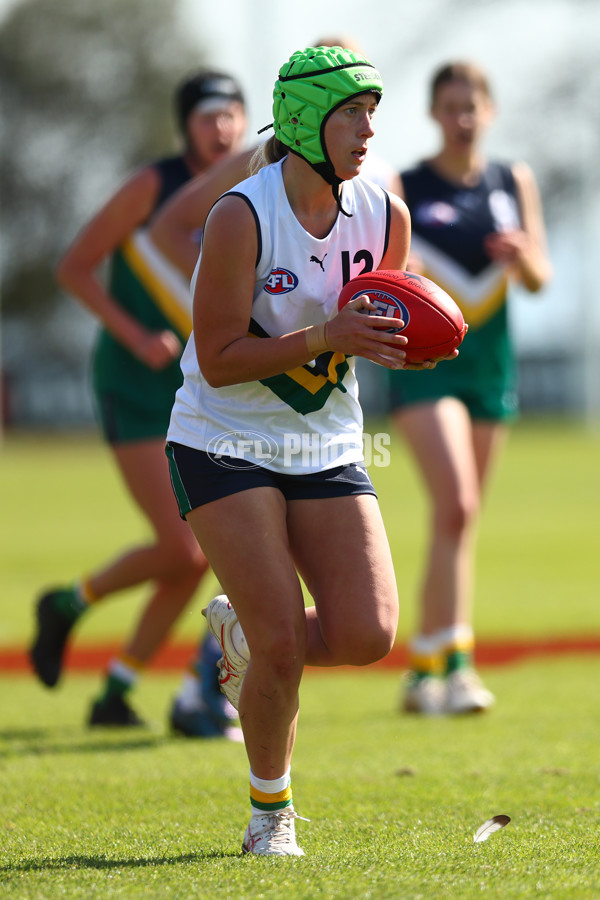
198	478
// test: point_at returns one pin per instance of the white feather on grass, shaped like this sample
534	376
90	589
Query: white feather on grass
489	827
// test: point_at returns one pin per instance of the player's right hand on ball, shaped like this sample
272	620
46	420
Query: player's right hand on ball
357	333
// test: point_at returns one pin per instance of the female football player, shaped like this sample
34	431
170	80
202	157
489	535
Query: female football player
265	440
476	226
145	320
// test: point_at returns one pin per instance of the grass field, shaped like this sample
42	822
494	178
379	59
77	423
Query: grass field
393	801
64	510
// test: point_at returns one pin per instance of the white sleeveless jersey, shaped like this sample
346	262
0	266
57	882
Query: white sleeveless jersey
307	419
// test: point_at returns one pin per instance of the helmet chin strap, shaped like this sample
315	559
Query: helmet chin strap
327	173
325	170
335	188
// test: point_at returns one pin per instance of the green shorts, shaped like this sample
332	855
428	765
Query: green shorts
484	401
123	421
133	402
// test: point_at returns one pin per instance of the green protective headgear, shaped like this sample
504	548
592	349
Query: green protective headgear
310	86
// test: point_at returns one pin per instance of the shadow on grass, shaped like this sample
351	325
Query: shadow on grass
101	862
21	734
55	741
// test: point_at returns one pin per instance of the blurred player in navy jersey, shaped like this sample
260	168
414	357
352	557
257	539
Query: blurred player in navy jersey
477	225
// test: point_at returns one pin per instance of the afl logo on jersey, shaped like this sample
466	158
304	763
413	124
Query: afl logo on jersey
281	281
388	307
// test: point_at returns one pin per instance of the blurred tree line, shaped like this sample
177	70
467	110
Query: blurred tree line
86	96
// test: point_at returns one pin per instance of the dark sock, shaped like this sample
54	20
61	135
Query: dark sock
69	604
114	687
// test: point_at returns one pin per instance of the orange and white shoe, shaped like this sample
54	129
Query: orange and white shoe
223	624
273	834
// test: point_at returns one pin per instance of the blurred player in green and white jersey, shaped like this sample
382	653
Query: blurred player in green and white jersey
145	319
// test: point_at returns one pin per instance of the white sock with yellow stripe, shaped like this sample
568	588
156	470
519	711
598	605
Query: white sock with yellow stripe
424	656
457	647
269	795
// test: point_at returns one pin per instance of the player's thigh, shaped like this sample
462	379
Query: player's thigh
488	441
342	552
440	436
145	469
244	536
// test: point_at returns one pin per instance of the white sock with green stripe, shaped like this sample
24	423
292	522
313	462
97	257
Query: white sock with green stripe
457	646
269	795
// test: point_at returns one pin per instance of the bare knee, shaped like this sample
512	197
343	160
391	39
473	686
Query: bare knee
194	563
363	646
456	515
182	561
377	645
280	654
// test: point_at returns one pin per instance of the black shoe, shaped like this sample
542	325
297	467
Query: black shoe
114	710
48	648
195	723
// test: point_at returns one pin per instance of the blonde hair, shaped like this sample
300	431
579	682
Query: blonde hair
340	41
270	152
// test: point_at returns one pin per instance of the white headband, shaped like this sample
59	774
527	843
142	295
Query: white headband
212	104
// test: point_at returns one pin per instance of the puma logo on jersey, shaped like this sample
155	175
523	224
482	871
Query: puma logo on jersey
319	261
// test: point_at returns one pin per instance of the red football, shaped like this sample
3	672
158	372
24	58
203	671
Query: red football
433	323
